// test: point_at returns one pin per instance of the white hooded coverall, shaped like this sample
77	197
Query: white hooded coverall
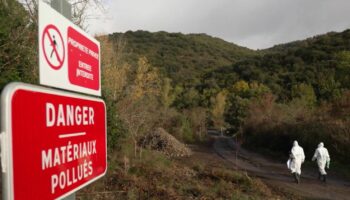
322	157
297	158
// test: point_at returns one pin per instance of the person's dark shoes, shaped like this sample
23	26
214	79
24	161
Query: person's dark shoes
296	177
319	175
324	178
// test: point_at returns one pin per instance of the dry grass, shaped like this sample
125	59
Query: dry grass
201	176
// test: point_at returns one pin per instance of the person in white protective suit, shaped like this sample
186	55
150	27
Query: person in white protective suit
297	157
322	157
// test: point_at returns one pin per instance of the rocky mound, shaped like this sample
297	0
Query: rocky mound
162	141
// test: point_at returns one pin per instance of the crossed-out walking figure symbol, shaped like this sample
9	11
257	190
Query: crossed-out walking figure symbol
54	45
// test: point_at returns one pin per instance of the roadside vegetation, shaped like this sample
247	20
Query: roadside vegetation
155	176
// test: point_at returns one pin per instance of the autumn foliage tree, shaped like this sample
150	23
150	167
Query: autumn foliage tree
138	109
218	109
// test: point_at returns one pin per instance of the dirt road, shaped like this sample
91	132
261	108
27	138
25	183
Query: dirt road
277	175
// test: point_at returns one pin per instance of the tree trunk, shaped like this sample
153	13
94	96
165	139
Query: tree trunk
140	152
126	164
5	3
135	148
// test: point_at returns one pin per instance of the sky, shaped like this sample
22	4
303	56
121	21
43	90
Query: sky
256	24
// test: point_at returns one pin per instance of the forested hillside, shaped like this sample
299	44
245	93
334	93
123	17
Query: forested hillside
181	57
300	89
320	62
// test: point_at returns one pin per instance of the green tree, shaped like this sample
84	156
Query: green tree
236	112
18	55
304	93
188	98
327	87
168	93
258	89
343	68
241	88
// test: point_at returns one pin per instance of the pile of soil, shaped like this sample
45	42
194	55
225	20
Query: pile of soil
160	140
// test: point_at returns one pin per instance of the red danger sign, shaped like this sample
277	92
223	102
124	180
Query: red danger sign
56	151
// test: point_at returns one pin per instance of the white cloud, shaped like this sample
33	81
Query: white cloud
251	23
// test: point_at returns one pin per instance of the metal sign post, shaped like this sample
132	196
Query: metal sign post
65	8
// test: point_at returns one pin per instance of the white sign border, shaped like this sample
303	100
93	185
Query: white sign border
6	133
62	82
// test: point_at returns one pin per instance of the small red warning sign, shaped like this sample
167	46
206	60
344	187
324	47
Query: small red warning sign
83	60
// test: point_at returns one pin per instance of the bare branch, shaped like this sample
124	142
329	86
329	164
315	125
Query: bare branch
79	9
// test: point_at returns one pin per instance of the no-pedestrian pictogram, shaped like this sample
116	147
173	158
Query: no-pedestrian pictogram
53	46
